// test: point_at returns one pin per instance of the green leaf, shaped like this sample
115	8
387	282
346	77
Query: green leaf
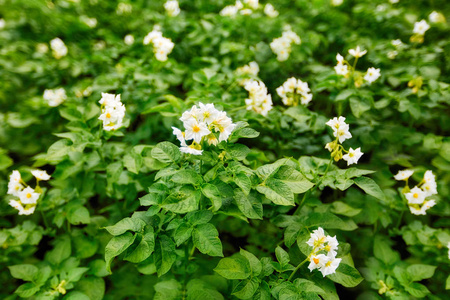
277	191
75	274
370	187
199	217
168	290
282	256
249	205
294	179
206	239
246	289
61	251
182	233
76	295
329	221
183	201
164	254
237	151
341	208
346	275
417	290
447	283
93	287
116	246
187	177
132	224
132	161
383	251
157	193
419	272
244	182
25	272
166	152
199	289
78	215
236	267
245	132
145	247
212	192
27	290
255	264
359	106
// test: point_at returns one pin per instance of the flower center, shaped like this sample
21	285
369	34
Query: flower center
108	115
328	248
416	195
351	154
195	129
28	195
328	264
316	260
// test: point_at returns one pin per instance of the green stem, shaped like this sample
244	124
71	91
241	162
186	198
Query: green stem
298	267
44	219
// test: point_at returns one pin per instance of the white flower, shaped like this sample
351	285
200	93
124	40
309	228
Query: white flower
161	46
336	123
337	2
224	125
436	17
41	175
113	111
357	52
339	58
14	185
27	210
128	39
403	175
317	261
190	150
430	188
259	100
394	1
329	147
330	266
208	113
252	3
293	87
180	136
341	69
415	196
55	97
317	239
2	23
416	210
372	75
282	46
353	156
246	12
172	8
42	48
340	128
195	130
59	49
332	246
392	54
429	176
421	27
28	196
270	11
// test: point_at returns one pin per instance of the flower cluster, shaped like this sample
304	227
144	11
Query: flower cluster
247	71
128	39
419	31
282	46
59	49
416	197
27	196
55	97
172	8
161	46
294	91
205	123
124	8
259	99
342	133
113	111
323	254
343	68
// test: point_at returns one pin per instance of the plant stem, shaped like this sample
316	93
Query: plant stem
298	267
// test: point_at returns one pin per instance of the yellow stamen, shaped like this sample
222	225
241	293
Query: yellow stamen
28	195
195	128
108	115
416	195
316	260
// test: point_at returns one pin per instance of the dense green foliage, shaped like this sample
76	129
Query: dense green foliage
127	215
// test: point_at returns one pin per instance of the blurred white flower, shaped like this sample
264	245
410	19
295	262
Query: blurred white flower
372	75
415	196
260	101
270	11
403	175
42	48
421	27
162	46
357	52
40	174
124	8
28	196
294	91
2	23
55	97
436	17
172	8
128	39
337	2
282	46
113	111
91	22
59	49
